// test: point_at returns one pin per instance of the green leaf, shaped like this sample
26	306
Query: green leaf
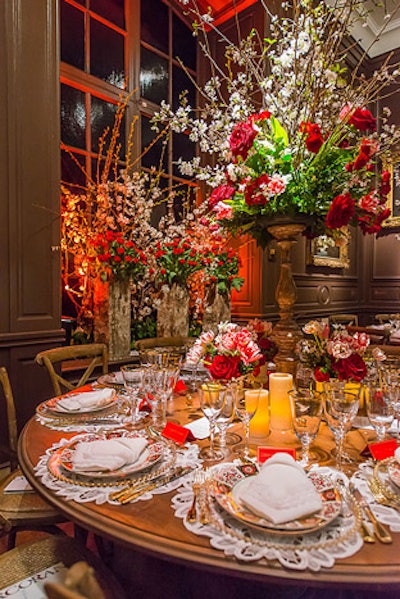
279	131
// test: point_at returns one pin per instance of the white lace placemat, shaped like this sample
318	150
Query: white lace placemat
100	493
316	550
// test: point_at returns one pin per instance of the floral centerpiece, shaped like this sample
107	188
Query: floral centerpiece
290	124
336	354
221	268
228	354
176	259
262	330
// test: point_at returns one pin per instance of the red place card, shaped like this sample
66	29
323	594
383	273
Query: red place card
177	433
383	449
264	453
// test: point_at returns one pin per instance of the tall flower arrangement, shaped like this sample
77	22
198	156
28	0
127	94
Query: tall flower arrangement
291	126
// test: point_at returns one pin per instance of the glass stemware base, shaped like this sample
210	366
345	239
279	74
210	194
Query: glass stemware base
212	455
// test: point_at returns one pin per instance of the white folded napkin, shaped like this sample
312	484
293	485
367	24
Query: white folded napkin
85	401
281	492
107	454
397	454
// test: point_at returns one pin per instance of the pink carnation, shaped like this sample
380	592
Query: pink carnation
222	210
276	185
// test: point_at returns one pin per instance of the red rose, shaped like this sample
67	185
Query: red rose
225	367
362	119
320	375
313	142
361	160
372	223
241	139
353	368
220	194
341	211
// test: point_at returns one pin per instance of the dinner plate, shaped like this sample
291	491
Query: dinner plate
226	493
52	405
112	379
393	469
61	460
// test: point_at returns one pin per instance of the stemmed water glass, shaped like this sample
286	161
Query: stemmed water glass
160	383
380	407
225	419
341	407
212	396
133	377
247	395
307	408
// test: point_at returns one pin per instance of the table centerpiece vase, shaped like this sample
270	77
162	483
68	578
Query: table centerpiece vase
173	311
286	333
112	316
217	308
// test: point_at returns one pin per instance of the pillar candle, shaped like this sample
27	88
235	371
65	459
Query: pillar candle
259	424
280	383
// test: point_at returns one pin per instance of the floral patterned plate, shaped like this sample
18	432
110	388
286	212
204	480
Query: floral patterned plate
61	459
226	489
393	469
112	379
52	406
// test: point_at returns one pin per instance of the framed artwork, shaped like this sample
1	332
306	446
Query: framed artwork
393	166
322	251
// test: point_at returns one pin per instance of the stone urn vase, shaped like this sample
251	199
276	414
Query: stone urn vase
173	311
217	308
112	316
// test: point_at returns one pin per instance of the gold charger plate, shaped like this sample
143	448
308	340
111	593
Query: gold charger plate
60	462
48	409
226	492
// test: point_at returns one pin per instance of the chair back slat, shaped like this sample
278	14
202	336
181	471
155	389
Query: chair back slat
97	353
10	410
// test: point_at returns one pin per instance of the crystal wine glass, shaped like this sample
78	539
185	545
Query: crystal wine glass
380	408
341	407
212	396
307	408
133	382
247	395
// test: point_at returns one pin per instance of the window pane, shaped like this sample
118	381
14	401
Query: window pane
152	157
153	77
181	82
72	36
182	148
106	54
183	43
112	10
70	171
154	24
73	117
102	115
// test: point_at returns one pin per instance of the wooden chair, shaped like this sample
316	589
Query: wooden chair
351	319
86	578
376	336
21	510
385	318
87	357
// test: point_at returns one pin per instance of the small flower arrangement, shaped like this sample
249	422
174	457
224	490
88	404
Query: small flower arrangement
116	257
228	354
262	330
221	267
176	260
336	354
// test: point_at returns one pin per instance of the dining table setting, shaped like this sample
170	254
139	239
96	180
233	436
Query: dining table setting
156	474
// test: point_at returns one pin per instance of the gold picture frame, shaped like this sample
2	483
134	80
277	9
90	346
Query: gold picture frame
322	251
393	202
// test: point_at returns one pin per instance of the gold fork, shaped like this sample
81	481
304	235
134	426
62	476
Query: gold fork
197	482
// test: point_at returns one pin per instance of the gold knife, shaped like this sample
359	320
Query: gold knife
380	531
158	482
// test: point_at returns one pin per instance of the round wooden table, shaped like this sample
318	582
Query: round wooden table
150	529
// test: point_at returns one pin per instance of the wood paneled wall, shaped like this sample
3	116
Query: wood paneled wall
29	208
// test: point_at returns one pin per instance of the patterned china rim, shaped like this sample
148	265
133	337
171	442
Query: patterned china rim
109	380
51	406
227	484
60	460
393	470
